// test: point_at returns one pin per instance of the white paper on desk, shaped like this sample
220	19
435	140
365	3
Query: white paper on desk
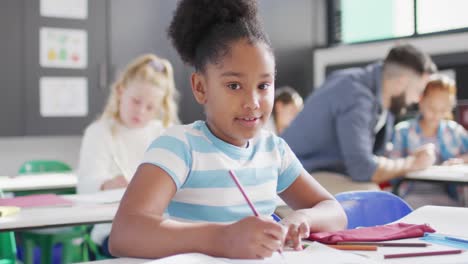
315	253
110	196
189	258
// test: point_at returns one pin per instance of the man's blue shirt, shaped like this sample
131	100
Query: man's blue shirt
335	130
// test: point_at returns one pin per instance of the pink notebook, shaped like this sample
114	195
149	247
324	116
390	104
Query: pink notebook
36	200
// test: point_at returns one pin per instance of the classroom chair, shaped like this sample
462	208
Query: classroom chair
44	166
371	208
93	249
67	243
7	246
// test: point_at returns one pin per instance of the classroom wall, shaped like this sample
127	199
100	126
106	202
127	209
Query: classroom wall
294	27
139	26
16	150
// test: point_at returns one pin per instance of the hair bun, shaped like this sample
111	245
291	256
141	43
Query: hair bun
194	19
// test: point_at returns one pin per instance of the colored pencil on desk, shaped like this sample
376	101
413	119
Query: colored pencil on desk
354	247
252	207
386	244
421	254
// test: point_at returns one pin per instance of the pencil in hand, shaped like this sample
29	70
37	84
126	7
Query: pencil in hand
251	205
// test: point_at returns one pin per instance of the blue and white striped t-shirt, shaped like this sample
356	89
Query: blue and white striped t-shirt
451	140
199	164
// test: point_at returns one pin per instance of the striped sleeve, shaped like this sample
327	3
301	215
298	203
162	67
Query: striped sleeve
463	137
290	168
400	146
171	153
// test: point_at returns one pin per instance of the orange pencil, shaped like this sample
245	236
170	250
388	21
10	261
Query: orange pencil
354	247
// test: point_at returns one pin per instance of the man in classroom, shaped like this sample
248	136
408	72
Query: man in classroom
341	134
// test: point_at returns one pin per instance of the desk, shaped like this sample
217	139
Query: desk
88	209
447	220
457	174
444	219
45	181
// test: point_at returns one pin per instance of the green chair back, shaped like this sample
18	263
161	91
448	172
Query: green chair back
43	166
72	239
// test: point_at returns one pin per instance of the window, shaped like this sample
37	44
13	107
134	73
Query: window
441	15
379	20
352	21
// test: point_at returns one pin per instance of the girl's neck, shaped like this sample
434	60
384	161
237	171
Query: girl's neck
428	130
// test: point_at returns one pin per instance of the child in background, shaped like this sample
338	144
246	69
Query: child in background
434	126
186	170
288	103
140	107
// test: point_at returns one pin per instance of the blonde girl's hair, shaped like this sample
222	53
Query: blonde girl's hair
150	69
442	83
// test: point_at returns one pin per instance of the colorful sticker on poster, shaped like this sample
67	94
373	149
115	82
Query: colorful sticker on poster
63	96
63	48
73	9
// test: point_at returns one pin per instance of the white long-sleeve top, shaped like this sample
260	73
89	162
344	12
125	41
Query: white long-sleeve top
104	155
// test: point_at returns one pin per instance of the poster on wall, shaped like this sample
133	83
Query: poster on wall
73	9
63	96
63	48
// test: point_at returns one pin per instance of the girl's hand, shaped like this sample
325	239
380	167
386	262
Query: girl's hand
423	157
253	237
115	183
298	229
453	161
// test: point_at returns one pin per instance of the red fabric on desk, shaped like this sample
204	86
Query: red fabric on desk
375	233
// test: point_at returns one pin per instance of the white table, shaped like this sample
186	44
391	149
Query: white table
446	220
46	181
88	209
457	174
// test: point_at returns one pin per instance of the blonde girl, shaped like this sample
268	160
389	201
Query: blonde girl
141	105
